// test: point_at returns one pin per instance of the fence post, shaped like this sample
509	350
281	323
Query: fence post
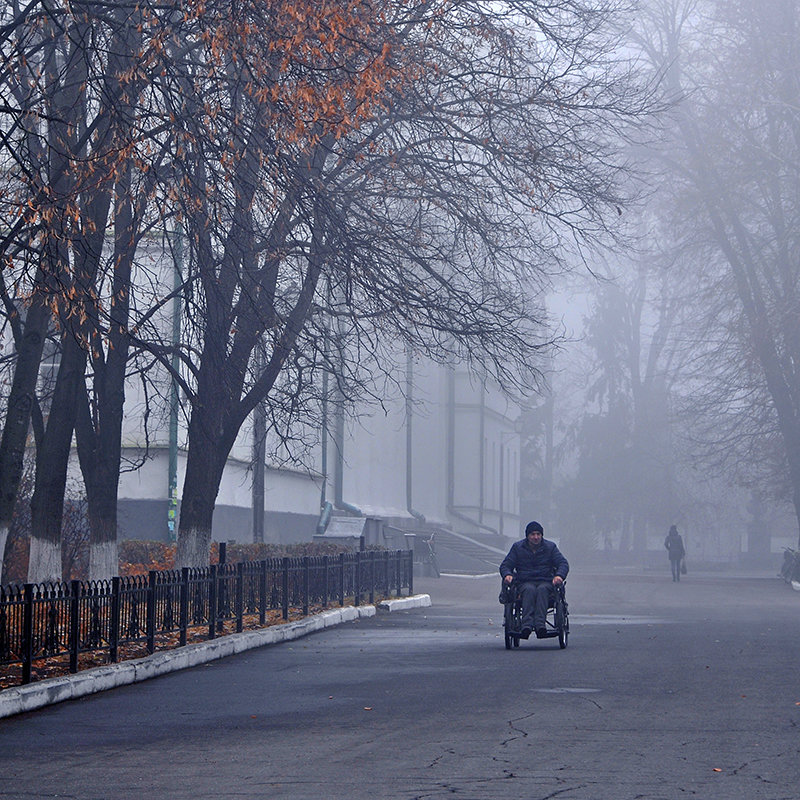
239	599
183	605
386	587
212	601
113	634
410	572
325	581
357	586
27	632
398	571
74	624
306	577
285	582
262	593
371	577
222	595
341	579
151	611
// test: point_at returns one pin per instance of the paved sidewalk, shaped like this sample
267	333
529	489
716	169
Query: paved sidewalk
19	699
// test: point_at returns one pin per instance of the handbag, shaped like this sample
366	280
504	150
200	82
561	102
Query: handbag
683	566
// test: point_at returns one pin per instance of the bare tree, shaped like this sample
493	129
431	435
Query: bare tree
735	155
71	151
625	480
46	72
468	146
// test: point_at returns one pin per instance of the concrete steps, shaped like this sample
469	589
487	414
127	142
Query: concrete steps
458	553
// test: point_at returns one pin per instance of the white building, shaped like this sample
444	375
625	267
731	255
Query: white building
445	458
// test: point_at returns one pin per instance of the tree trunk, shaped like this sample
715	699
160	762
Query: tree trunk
205	461
625	544
20	402
4	528
51	467
99	460
103	550
99	438
640	536
53	454
69	113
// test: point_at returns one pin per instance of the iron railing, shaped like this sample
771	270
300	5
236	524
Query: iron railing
40	621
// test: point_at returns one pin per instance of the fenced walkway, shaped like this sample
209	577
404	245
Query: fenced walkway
41	621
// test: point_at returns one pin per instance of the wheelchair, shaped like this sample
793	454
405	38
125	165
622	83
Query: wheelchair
557	621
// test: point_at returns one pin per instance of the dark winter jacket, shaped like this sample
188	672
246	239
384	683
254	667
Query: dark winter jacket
543	564
674	545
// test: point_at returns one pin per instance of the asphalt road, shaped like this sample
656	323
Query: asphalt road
665	691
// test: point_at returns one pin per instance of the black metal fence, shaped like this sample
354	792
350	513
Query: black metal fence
39	621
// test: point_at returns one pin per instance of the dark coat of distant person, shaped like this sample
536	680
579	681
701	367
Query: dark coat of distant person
674	545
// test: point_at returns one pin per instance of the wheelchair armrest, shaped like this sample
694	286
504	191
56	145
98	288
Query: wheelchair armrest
508	592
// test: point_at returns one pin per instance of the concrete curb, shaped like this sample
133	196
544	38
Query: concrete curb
417	601
19	699
469	576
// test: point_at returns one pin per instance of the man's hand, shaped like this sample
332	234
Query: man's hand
558	580
508	579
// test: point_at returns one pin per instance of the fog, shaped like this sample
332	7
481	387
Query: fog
674	397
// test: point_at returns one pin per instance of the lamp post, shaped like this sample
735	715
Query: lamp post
174	397
504	435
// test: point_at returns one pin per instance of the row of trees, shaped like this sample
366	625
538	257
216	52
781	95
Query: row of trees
693	339
339	176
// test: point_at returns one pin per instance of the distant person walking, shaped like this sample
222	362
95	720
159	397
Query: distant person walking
676	552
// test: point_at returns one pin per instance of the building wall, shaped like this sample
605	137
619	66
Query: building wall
292	500
457	430
373	458
429	442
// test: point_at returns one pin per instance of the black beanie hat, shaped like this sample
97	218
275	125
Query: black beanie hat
533	526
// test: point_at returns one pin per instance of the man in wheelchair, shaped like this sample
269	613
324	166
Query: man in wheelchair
536	565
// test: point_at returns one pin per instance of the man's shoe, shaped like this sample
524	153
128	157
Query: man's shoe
525	633
541	633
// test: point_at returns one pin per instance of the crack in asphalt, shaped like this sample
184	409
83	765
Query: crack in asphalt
440	757
468	783
511	725
561	791
757	776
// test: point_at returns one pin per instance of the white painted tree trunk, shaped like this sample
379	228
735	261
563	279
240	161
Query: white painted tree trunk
103	561
194	547
45	561
3	540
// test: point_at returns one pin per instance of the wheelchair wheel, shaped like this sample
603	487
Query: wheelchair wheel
561	622
511	623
